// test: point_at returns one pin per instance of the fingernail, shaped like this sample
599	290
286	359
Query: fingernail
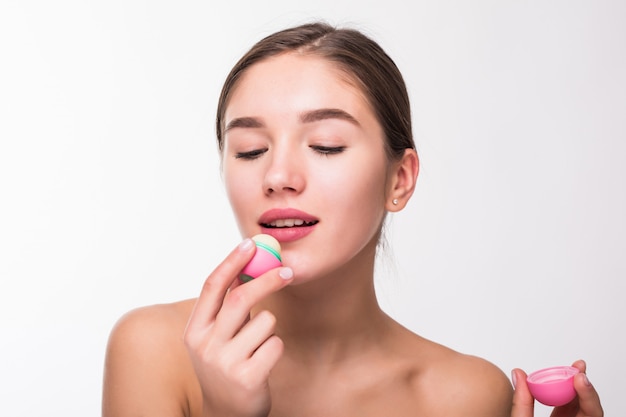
586	380
513	378
246	244
285	273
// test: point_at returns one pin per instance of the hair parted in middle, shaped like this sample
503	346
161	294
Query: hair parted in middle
357	55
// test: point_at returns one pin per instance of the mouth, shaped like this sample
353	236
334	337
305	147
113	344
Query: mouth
284	218
288	223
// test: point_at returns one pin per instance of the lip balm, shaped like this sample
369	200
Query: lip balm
266	257
553	386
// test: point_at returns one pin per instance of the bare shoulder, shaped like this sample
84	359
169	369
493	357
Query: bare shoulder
147	370
486	390
463	385
161	321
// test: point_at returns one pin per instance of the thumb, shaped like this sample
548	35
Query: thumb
523	401
588	399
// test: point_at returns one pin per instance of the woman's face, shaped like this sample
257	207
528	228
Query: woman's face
304	161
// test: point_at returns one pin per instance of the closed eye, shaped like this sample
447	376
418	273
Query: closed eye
254	154
328	150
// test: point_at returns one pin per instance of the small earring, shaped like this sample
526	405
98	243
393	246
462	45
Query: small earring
395	201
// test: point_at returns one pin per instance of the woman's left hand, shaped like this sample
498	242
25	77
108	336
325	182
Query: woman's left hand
586	403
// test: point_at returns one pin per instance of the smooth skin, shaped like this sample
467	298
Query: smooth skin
307	339
149	370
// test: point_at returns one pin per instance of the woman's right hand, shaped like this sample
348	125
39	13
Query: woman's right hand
231	353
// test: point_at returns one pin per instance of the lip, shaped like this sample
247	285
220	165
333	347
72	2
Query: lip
287	234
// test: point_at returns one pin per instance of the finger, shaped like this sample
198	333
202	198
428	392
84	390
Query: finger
523	401
266	356
216	285
581	365
588	399
238	303
260	328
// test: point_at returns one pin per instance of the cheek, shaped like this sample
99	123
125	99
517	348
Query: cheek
359	188
239	191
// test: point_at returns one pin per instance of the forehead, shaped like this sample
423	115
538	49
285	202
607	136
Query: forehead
295	81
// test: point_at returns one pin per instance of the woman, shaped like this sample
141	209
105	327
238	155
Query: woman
314	131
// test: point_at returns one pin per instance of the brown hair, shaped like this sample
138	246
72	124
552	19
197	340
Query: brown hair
353	52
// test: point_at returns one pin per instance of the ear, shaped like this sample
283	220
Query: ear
402	178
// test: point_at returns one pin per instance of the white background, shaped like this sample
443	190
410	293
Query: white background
511	249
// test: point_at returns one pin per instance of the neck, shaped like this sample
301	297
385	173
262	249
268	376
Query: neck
331	317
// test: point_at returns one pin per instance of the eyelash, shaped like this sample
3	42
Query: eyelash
251	154
322	150
328	150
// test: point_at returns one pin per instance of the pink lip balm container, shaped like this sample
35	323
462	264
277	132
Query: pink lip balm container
266	257
553	386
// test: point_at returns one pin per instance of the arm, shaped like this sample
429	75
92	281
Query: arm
143	373
467	386
493	395
586	404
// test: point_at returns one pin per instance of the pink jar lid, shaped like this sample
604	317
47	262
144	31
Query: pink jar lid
553	386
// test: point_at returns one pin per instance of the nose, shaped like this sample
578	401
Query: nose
285	173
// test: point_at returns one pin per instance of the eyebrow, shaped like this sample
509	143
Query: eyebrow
306	117
244	122
323	114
